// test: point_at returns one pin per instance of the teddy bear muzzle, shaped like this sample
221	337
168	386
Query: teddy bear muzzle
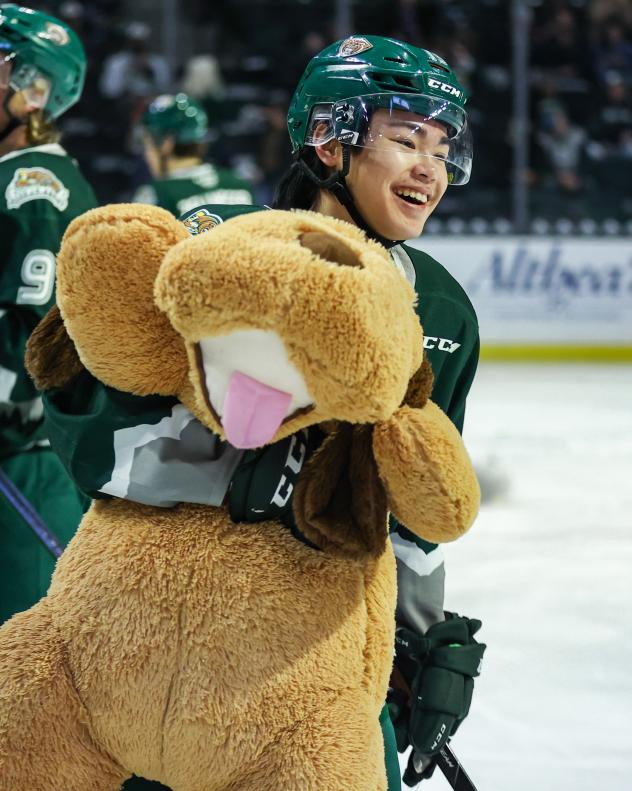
250	385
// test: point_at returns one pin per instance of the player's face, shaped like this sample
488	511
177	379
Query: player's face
31	96
398	179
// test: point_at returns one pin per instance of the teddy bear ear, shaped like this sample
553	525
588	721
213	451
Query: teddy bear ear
340	502
51	358
106	268
330	248
420	385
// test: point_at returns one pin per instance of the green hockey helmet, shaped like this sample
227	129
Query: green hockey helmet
345	84
41	58
178	116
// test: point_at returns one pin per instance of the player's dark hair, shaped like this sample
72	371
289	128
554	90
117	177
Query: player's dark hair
296	190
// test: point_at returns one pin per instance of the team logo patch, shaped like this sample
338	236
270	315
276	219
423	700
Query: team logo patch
353	46
36	184
56	33
200	221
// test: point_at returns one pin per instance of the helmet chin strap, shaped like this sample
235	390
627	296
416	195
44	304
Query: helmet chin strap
337	185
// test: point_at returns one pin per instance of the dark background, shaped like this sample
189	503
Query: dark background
579	81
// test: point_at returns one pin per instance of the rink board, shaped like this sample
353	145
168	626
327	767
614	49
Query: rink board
545	298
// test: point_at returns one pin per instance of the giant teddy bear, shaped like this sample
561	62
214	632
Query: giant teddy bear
174	643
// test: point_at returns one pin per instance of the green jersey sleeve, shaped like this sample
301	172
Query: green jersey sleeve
149	449
451	341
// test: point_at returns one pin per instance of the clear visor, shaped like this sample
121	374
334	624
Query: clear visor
407	124
32	87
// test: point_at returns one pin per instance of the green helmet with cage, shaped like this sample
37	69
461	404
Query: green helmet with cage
41	58
345	84
178	116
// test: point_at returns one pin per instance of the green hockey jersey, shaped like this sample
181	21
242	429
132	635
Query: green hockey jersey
152	450
41	191
187	188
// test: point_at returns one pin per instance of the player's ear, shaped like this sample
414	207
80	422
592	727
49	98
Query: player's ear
330	154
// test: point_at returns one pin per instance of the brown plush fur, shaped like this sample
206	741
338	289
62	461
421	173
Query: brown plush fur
420	385
106	270
357	369
173	643
419	455
339	501
51	356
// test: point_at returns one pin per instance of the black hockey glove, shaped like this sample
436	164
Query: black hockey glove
431	688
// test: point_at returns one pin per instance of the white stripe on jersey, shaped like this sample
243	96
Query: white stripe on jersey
422	563
128	440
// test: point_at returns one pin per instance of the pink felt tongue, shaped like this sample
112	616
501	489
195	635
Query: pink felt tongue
252	411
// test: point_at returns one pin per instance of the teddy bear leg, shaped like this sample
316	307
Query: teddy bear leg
336	747
45	739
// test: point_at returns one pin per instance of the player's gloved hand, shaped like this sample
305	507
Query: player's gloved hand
431	687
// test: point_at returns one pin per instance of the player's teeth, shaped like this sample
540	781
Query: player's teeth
412	194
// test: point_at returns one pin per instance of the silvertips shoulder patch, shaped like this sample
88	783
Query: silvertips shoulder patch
30	184
200	221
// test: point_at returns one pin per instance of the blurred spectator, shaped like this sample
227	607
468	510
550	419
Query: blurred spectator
202	78
560	46
612	130
613	52
563	145
134	72
601	11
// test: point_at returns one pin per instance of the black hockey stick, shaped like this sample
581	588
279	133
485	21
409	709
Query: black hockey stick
421	767
454	773
30	515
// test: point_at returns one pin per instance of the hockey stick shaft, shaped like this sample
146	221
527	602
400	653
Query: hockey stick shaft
30	515
453	771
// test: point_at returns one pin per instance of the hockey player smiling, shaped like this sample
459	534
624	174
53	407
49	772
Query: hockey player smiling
400	178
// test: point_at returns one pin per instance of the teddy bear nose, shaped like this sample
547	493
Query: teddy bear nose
330	249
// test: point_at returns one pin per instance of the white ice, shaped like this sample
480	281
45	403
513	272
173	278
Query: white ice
548	569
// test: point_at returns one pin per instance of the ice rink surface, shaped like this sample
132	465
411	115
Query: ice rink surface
548	569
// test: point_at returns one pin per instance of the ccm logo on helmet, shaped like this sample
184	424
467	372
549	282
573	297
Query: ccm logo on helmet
443	86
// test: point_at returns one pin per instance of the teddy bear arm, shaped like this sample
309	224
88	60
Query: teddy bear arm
429	479
106	268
